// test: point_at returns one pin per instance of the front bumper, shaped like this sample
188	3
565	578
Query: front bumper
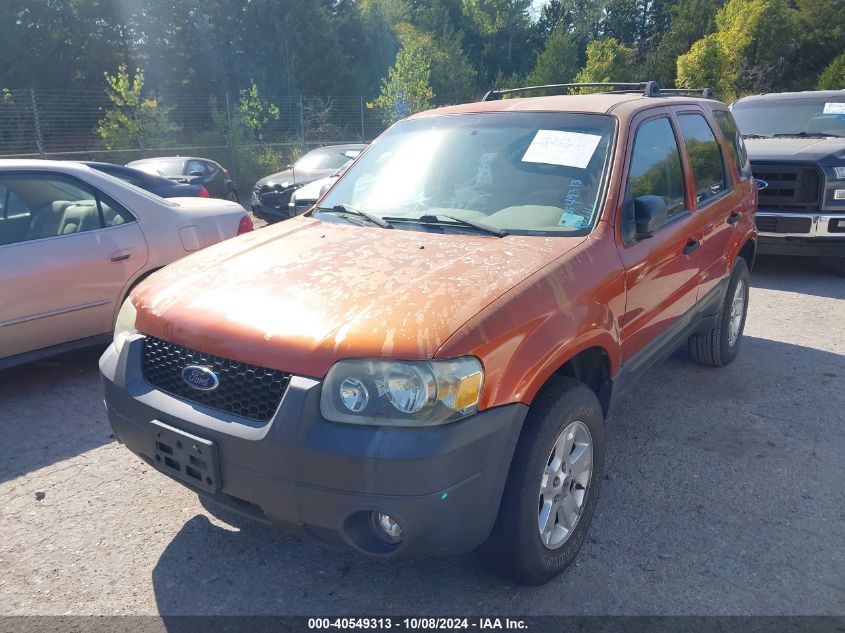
443	484
271	206
815	234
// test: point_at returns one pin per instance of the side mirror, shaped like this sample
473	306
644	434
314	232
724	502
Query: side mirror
760	184
650	213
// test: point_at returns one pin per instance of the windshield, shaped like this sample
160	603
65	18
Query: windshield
321	159
821	116
519	172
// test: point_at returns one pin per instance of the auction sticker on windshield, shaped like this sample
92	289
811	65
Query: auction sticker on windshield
834	108
556	147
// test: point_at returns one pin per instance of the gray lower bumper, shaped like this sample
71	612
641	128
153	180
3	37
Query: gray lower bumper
442	483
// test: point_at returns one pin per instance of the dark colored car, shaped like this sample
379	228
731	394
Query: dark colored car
424	362
304	197
159	185
213	176
272	194
796	142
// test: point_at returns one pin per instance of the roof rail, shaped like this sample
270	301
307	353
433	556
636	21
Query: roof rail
647	88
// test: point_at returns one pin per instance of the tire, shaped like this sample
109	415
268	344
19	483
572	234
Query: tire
719	346
232	196
837	264
515	549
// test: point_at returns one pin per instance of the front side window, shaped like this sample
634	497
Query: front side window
656	166
705	157
513	172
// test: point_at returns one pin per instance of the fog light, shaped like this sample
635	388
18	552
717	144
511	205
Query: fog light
839	194
387	528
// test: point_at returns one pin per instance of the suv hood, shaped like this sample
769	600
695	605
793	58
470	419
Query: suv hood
794	148
303	294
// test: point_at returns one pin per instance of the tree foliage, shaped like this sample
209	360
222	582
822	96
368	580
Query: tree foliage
607	60
833	77
134	120
407	87
348	47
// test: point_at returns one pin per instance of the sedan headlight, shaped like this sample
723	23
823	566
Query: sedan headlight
402	393
124	326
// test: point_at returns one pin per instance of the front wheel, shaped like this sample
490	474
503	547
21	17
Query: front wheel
719	346
552	487
232	196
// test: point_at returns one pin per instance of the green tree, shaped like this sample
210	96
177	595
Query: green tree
506	29
134	120
407	87
833	77
558	62
607	60
703	66
748	53
820	25
690	21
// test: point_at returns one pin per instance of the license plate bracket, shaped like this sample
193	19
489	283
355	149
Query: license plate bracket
185	457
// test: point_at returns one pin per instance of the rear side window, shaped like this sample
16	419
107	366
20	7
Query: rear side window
736	146
708	169
656	166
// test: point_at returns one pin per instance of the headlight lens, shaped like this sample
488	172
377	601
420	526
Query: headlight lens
124	326
402	393
840	172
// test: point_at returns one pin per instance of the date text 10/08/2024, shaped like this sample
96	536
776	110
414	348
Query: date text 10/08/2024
421	623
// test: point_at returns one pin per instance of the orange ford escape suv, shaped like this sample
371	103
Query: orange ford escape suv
423	362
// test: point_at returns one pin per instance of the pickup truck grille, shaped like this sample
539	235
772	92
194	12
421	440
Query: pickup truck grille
783	224
791	186
244	390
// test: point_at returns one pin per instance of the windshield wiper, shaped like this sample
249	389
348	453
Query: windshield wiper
345	208
755	136
453	221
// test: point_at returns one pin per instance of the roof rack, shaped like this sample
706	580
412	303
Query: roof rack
647	88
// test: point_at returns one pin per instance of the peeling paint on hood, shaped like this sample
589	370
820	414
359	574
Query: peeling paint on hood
303	294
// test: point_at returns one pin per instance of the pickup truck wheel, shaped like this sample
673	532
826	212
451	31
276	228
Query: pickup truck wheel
552	487
719	346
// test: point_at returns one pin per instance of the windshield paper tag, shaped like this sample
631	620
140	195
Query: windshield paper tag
834	108
555	147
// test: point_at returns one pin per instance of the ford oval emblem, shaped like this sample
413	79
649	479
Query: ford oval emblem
199	377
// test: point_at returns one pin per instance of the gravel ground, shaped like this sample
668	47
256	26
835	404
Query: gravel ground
724	495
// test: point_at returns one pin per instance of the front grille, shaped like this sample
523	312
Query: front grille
791	186
776	224
244	390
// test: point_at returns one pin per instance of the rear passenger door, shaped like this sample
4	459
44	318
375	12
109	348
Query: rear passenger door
713	202
61	275
662	271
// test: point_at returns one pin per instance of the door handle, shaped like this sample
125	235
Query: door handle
122	256
734	217
691	246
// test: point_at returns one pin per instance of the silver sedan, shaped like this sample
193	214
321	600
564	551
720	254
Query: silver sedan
73	243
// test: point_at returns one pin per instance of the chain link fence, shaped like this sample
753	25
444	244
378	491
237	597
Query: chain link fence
62	125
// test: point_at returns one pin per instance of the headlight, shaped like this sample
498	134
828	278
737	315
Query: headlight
124	326
402	393
840	173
